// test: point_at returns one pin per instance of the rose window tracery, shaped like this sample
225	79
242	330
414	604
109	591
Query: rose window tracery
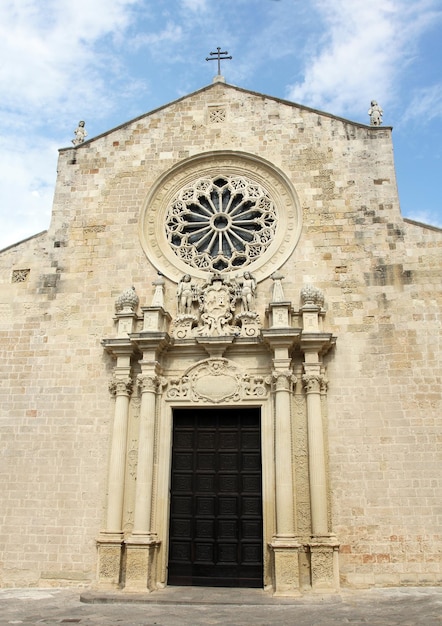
220	223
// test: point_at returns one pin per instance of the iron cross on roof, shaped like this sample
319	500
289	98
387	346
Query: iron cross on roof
216	56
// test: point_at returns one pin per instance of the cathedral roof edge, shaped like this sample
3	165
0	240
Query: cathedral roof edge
220	85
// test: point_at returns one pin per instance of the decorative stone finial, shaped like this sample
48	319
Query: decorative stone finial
127	301
278	292
375	112
158	297
80	133
312	296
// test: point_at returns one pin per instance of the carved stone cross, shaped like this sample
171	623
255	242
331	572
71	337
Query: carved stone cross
216	56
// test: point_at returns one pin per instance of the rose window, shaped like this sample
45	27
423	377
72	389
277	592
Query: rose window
221	223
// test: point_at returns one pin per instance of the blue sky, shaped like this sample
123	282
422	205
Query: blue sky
108	61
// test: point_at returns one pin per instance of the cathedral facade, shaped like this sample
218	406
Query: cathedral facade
221	363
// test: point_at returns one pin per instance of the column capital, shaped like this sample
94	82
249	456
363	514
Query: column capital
148	382
121	386
283	380
314	383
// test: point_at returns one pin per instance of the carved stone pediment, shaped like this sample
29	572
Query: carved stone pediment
217	380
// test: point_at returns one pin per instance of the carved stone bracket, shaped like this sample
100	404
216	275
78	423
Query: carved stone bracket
184	326
217	380
249	322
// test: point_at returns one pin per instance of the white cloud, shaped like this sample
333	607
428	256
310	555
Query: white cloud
51	48
27	177
172	33
364	48
54	75
195	5
433	218
425	105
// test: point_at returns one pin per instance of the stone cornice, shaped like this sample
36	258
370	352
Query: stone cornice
317	342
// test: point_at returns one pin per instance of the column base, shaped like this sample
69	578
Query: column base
140	563
324	564
110	552
285	567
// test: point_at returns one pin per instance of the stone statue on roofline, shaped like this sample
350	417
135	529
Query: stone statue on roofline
80	133
375	112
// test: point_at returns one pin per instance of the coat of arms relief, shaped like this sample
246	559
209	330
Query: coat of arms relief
218	307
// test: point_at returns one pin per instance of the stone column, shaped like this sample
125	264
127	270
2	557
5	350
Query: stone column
141	546
110	540
117	461
285	524
315	343
143	494
317	472
285	545
324	546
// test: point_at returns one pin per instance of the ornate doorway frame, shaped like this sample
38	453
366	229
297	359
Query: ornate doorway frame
278	368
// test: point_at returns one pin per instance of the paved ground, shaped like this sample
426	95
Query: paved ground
184	606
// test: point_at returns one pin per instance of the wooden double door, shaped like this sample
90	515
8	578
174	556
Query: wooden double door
216	527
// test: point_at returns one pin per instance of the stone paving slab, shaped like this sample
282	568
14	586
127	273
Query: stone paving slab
228	607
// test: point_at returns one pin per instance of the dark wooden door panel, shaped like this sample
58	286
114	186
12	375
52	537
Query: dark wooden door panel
216	499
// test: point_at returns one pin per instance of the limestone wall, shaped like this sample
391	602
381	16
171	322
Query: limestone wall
381	280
